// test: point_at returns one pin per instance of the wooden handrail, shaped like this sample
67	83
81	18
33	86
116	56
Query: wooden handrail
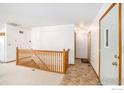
55	61
41	50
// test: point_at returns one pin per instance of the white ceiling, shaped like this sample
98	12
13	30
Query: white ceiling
47	14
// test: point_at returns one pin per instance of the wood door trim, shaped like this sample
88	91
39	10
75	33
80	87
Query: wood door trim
99	48
107	11
119	38
75	45
120	42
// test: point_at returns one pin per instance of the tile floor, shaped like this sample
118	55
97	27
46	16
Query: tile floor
80	74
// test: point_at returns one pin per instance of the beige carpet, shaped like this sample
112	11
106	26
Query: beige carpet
10	74
78	74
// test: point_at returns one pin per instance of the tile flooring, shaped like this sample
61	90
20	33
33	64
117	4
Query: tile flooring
80	74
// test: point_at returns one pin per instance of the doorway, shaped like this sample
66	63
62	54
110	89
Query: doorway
110	46
89	46
81	45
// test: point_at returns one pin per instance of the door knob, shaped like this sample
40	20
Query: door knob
116	56
114	63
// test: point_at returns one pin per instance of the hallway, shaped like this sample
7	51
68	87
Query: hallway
80	74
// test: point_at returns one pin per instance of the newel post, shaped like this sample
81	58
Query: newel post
67	58
17	56
64	61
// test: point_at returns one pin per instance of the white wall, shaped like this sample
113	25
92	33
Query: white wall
2	48
54	38
94	28
23	39
14	39
82	44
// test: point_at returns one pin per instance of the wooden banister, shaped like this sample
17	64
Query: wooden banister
17	56
55	61
65	58
64	61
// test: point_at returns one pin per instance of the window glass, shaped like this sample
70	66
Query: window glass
106	37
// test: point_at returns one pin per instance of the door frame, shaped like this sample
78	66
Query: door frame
89	46
119	38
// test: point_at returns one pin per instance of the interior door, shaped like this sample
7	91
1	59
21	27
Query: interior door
109	50
89	46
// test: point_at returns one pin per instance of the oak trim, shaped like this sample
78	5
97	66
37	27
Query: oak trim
120	42
111	6
64	61
54	61
99	49
41	50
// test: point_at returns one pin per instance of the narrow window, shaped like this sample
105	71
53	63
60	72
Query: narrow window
107	34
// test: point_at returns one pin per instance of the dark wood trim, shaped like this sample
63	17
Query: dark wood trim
120	42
